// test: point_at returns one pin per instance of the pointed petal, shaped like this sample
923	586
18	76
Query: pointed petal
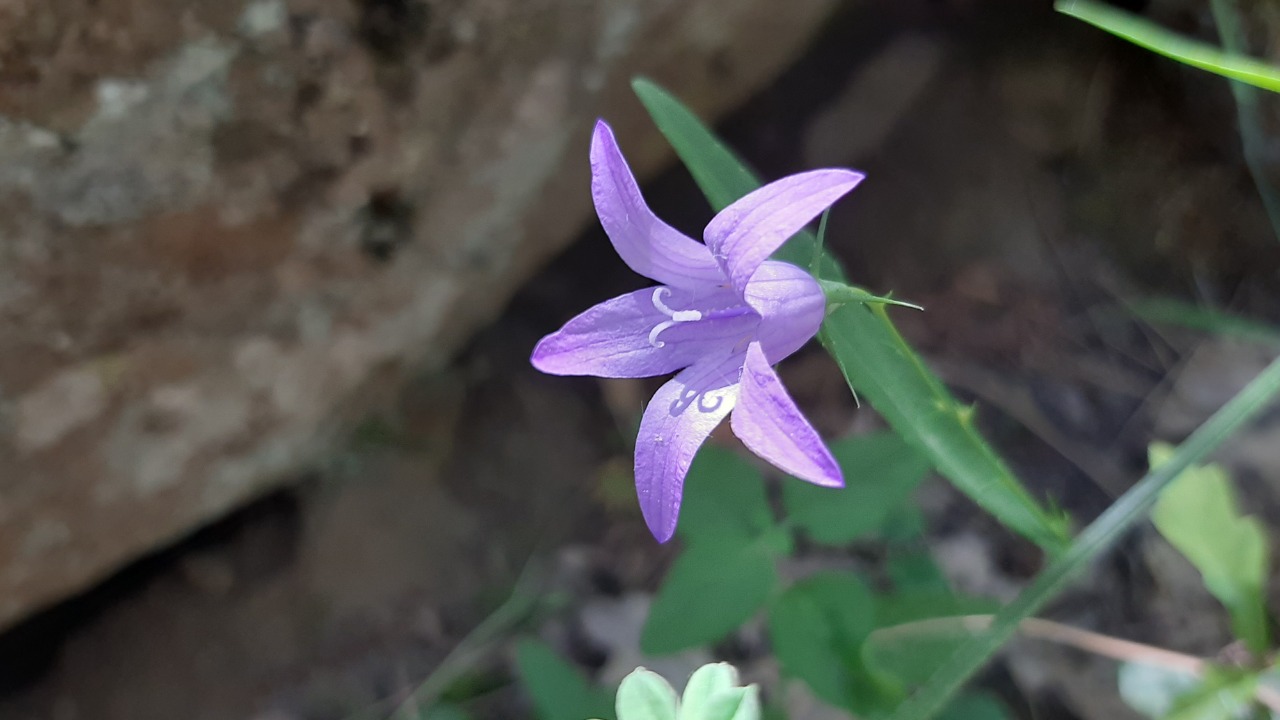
747	232
612	339
646	244
768	422
791	306
675	424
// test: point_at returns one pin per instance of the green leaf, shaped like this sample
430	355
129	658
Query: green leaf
723	498
711	589
882	471
975	706
645	695
1223	695
1147	34
817	628
558	689
915	572
445	711
1197	514
875	359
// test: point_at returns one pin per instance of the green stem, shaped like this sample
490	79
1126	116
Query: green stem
1131	508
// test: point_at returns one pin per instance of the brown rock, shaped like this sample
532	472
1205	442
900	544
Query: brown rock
224	227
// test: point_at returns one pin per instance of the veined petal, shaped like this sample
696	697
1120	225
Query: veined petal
747	232
768	422
645	243
616	338
791	306
675	424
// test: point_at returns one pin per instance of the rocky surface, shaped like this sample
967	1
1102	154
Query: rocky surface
229	229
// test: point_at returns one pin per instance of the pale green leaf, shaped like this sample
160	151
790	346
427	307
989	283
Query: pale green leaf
645	695
1198	515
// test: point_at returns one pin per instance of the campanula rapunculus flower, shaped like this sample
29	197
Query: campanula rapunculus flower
721	317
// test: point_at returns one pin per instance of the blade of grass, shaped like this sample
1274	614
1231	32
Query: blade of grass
876	361
1248	113
1146	34
1166	311
1131	508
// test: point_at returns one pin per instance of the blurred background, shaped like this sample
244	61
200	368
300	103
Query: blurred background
271	270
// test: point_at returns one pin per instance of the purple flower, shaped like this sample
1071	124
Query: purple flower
722	316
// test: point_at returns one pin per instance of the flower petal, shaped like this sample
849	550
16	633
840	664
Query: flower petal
768	422
675	424
612	339
646	244
747	232
791	306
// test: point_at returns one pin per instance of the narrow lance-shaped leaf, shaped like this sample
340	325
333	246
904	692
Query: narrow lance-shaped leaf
876	361
1147	34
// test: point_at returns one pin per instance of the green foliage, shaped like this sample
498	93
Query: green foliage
975	706
881	472
723	498
1147	34
818	626
445	711
711	589
557	688
1222	695
875	359
1197	514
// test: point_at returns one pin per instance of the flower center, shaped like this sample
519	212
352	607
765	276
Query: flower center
677	316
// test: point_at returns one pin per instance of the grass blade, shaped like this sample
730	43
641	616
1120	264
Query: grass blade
1146	34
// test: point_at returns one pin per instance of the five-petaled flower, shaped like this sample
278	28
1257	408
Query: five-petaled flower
722	316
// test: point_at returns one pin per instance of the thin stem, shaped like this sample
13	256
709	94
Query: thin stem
471	649
1131	508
